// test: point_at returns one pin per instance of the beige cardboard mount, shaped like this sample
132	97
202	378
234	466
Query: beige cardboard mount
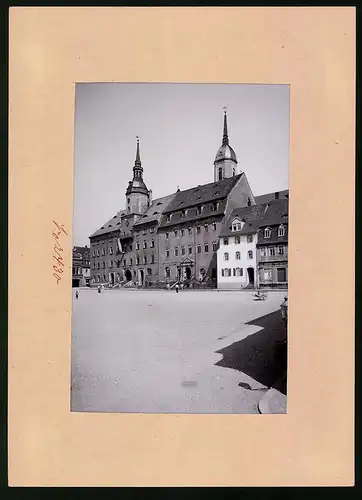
312	50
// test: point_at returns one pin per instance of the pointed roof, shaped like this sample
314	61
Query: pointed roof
225	137
225	152
137	162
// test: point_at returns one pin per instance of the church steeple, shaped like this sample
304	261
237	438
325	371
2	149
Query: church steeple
137	169
225	137
138	196
225	164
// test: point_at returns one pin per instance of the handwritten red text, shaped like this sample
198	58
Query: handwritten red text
58	268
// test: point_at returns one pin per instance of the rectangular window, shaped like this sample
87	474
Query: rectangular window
280	250
198	248
214	206
190	230
167	236
272	251
214	246
222	272
183	214
152	259
206	247
168	218
237	240
145	244
137	245
214	226
199	210
190	249
176	251
94	253
103	251
182	250
152	243
282	274
249	238
175	233
182	232
198	229
167	253
226	241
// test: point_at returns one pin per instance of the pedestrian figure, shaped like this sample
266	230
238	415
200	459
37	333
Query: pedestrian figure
176	288
99	289
76	294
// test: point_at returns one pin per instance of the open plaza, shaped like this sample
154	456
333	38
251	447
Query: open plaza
158	351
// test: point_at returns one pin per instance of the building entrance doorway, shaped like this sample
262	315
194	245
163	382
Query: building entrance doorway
251	275
111	278
188	273
128	275
142	277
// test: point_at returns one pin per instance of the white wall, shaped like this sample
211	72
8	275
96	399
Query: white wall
235	282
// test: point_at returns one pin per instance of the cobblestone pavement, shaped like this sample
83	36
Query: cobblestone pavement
162	352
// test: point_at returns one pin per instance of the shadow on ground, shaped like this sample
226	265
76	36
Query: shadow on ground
263	355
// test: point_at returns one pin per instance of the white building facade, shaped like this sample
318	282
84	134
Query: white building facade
236	256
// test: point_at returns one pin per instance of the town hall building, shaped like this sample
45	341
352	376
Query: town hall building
174	238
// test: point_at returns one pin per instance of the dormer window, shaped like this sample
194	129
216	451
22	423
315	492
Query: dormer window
168	218
199	210
267	233
281	231
214	206
183	214
236	226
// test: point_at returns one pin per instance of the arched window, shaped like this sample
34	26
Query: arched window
220	173
145	259
281	231
149	271
250	254
237	240
153	258
267	233
233	171
222	272
237	255
167	272
152	243
237	271
226	256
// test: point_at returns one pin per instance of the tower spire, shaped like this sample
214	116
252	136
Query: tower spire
138	158
225	137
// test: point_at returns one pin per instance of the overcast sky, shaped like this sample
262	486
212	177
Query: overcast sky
180	130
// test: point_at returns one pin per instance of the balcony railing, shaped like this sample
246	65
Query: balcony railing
273	258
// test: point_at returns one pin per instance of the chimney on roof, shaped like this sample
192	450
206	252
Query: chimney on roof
178	189
85	246
150	197
277	195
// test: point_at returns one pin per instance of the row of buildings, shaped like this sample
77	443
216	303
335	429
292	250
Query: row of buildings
215	234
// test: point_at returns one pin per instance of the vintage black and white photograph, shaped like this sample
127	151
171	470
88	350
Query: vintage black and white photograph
180	248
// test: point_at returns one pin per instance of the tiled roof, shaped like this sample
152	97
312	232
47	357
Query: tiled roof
111	225
205	193
81	250
276	213
274	238
154	213
251	215
265	198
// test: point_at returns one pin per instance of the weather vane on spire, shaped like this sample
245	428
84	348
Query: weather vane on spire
225	109
138	139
